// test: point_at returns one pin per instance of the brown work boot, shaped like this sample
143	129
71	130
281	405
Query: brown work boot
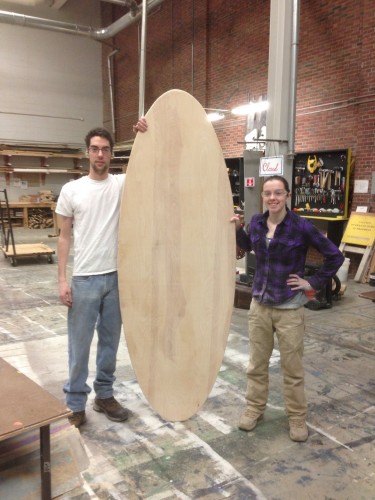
112	409
77	418
249	419
298	430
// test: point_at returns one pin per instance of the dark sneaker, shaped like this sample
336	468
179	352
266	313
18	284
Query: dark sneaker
112	409
249	420
298	430
77	418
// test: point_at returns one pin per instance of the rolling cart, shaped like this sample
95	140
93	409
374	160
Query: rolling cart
8	246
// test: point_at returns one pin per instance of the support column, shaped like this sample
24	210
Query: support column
281	95
282	81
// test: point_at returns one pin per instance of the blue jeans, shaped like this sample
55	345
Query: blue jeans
95	305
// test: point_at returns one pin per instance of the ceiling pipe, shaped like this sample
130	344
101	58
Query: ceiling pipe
293	78
131	4
30	3
57	4
142	61
111	92
75	29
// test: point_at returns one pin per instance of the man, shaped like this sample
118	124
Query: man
90	205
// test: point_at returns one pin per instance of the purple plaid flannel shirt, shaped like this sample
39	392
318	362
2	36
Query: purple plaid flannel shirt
285	255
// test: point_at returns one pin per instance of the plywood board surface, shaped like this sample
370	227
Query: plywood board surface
176	256
368	295
25	405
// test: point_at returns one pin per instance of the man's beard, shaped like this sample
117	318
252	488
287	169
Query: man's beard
100	170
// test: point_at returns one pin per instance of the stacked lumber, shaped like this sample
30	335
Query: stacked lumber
40	218
370	266
29	198
46	196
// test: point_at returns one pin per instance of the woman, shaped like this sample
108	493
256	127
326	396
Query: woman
280	240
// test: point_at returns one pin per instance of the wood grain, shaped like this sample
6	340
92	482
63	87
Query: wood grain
176	256
26	406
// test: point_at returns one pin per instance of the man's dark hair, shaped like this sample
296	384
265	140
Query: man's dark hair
98	132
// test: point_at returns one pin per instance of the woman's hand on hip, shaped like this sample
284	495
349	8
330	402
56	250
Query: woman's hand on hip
298	283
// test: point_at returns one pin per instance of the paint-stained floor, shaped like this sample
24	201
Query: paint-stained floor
207	456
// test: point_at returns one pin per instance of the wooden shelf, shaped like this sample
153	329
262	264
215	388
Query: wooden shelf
25	206
13	167
117	166
41	154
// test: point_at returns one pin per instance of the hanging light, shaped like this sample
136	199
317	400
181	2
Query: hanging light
251	108
215	116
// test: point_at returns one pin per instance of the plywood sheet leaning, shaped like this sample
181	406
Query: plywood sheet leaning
176	256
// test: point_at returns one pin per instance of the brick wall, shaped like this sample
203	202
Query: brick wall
218	51
336	84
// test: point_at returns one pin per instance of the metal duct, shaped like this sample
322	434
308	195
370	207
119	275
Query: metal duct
293	78
110	80
142	62
75	29
30	3
131	4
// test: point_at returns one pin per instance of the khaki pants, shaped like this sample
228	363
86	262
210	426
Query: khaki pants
288	324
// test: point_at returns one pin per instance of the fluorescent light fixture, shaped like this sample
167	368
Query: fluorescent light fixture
215	116
250	108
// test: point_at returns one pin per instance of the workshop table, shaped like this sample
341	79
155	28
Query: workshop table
28	406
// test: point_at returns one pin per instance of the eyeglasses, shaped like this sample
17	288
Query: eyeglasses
95	150
277	194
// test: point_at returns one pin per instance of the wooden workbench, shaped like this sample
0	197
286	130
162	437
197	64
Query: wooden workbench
26	205
27	406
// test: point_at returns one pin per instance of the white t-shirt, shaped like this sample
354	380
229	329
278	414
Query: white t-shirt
94	206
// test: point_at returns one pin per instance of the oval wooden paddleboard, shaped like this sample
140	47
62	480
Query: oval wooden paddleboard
176	256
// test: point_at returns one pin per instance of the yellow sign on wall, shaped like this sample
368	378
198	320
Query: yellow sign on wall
360	229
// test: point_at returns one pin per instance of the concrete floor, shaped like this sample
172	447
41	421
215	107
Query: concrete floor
207	456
